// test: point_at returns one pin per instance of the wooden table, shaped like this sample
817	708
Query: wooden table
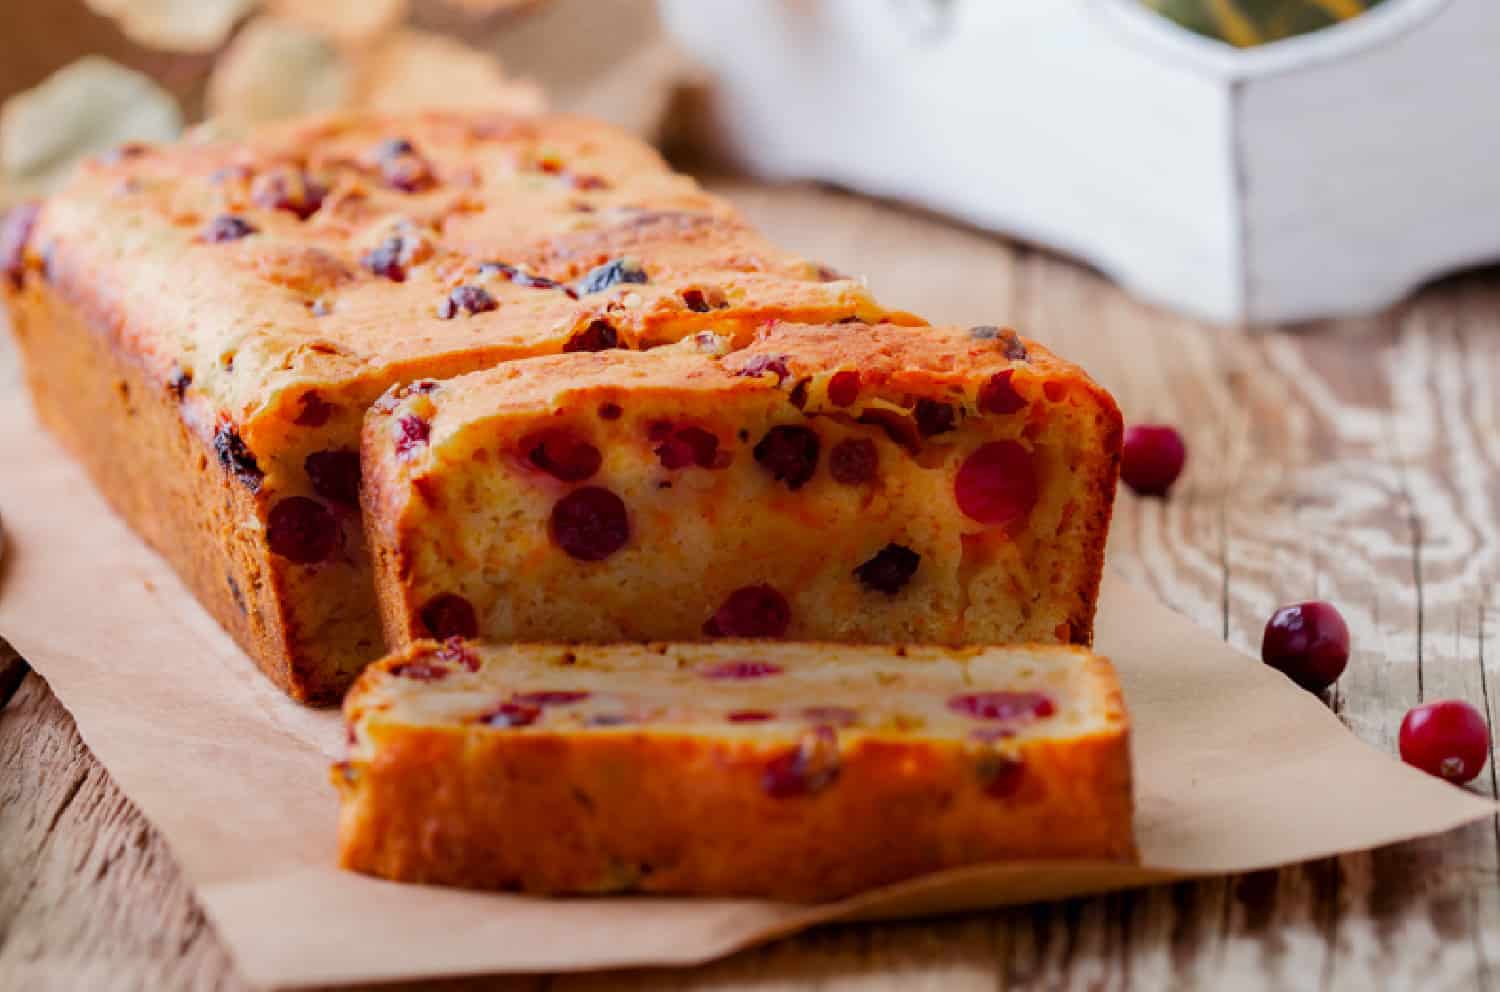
1357	461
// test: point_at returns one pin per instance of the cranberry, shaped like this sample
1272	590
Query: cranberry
467	299
402	167
1447	738
587	181
422	671
853	462
611	274
1003	705
598	336
301	530
227	227
740	670
934	418
806	770
751	611
890	570
1152	458
790	454
551	697
411	433
562	454
455	650
686	446
843	388
841	716
1009	340
449	615
751	716
512	714
1309	642
590	524
761	364
695	301
235	456
387	259
798	395
900	428
391	147
1001	775
999	394
523	278
289	190
996	484
312	410
334	475
15	231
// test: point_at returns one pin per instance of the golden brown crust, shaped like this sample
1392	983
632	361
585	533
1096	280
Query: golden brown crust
128	432
674	812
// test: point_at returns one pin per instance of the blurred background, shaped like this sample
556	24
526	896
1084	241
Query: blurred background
80	76
1227	158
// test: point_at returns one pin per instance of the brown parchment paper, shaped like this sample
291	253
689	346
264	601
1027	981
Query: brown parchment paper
1236	770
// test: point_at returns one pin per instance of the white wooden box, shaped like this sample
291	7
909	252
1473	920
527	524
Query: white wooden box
1326	174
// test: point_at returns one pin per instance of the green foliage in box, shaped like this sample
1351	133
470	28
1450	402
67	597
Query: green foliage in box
1244	23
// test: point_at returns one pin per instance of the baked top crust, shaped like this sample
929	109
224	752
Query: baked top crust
327	252
896	364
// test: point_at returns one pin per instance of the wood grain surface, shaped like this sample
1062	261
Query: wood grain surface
1356	460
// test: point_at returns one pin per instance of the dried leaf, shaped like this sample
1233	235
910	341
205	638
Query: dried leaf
82	109
414	69
175	25
342	20
275	68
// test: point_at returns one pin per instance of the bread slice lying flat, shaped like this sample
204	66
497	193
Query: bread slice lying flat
733	768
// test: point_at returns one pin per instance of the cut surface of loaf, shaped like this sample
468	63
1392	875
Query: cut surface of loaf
204	325
850	483
790	771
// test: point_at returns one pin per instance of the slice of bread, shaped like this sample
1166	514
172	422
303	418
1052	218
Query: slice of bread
844	483
736	768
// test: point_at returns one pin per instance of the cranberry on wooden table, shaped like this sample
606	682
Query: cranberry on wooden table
1447	738
1309	642
1152	458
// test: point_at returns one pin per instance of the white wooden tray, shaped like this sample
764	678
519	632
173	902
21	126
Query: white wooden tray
1326	174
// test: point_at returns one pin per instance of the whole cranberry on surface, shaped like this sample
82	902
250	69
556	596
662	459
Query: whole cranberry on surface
1152	458
1308	642
1447	738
